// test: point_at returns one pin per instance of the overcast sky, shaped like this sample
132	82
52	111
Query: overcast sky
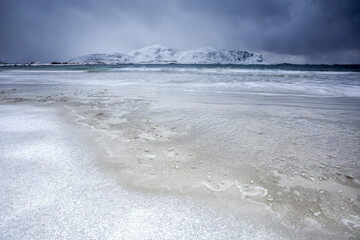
296	31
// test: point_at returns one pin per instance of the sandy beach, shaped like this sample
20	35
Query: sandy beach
179	154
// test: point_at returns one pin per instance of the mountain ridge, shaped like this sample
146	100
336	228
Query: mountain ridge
158	54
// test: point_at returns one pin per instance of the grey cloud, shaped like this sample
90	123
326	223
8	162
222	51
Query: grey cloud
312	30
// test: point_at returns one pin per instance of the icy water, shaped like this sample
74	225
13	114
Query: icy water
260	152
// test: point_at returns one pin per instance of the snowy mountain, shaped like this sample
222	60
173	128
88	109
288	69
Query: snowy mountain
157	54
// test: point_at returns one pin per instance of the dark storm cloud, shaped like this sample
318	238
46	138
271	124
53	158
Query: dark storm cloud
299	31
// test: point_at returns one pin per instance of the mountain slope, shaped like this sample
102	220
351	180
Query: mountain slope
157	54
102	58
153	54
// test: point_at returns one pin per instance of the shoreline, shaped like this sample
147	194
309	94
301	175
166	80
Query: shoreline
229	196
268	66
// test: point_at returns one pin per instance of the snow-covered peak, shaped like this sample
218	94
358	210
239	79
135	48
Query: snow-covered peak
158	54
153	54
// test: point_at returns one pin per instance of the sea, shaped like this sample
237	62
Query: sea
180	151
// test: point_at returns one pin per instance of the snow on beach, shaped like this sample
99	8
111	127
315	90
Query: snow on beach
51	187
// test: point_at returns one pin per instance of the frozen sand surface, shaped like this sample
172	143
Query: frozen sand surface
51	188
